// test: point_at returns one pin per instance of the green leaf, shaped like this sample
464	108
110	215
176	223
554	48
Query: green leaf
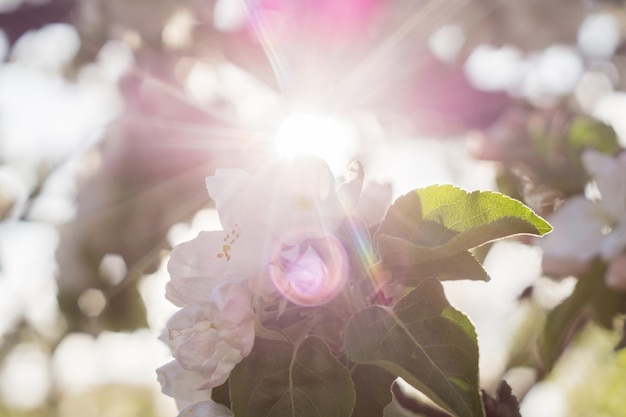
424	340
279	379
221	394
505	404
563	322
462	265
588	133
443	220
590	299
373	390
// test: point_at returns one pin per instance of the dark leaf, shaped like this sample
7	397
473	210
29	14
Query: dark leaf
424	340
279	379
504	405
373	390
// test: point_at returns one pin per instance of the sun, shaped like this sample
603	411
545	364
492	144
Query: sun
329	137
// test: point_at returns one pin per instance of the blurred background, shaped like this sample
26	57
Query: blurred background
113	112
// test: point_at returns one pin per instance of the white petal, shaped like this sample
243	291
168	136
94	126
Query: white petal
199	256
206	409
227	188
198	266
577	233
181	384
192	290
231	303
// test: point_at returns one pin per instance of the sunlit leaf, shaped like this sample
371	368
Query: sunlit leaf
443	220
424	340
279	379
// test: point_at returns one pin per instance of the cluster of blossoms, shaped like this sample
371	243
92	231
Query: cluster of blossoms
586	227
278	244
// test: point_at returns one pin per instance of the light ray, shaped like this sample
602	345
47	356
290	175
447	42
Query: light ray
274	56
418	23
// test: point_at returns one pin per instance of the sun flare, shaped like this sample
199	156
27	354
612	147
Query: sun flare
328	137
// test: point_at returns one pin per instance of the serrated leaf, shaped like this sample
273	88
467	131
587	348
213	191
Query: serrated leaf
424	340
505	404
279	379
442	220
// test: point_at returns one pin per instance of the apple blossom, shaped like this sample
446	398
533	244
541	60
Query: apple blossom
198	266
282	195
213	337
278	240
181	384
585	228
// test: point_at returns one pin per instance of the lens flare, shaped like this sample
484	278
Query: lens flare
310	272
331	138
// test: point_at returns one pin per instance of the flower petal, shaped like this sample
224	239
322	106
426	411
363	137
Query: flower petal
577	233
191	290
206	409
228	188
198	266
182	384
199	256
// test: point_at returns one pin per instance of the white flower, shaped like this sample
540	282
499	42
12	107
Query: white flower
198	266
212	338
183	385
281	196
256	212
206	409
584	229
279	237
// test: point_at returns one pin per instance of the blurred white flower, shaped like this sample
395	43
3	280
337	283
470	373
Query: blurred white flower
585	228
